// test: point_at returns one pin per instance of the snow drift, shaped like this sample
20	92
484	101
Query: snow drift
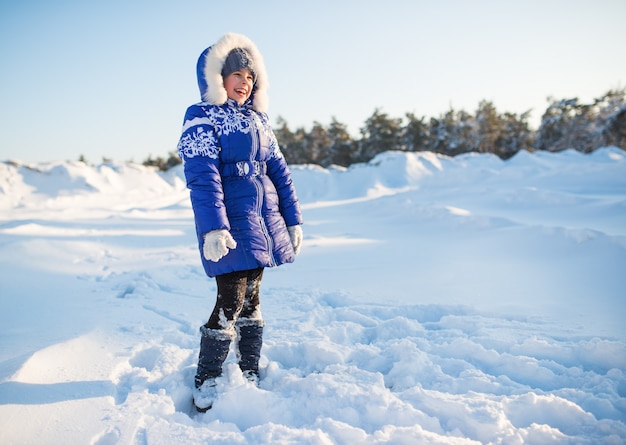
436	300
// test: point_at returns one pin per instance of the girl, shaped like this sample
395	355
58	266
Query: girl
246	211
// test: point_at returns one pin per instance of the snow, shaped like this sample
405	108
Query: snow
436	300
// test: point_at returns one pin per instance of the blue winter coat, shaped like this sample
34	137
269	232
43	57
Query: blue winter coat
238	180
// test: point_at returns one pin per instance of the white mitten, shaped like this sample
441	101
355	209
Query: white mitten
295	233
217	243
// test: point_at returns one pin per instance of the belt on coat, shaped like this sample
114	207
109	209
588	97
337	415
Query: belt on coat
246	169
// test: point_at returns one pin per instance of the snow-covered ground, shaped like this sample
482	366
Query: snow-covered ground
435	301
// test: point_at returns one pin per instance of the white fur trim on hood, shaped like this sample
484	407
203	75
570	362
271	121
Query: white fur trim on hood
215	93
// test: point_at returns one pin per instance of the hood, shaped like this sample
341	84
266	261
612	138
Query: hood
209	71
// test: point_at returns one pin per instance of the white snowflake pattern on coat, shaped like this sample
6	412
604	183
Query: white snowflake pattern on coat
199	134
198	143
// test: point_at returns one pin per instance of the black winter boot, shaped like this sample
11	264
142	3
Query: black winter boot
250	341
214	346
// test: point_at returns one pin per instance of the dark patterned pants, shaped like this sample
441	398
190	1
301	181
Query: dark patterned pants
237	297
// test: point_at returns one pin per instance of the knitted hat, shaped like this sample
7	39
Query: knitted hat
237	59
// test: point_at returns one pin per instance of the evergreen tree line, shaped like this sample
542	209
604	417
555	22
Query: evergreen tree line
566	123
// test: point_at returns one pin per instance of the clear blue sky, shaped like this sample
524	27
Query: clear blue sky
113	78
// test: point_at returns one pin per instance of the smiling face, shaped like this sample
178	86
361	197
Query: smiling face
238	85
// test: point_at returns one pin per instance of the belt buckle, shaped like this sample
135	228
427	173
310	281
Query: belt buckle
244	167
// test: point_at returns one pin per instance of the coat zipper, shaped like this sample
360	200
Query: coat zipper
254	134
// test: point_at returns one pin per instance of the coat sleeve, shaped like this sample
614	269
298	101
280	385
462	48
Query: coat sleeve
199	150
279	173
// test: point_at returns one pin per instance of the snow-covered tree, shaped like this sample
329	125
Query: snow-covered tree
381	133
317	143
415	133
567	123
342	150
